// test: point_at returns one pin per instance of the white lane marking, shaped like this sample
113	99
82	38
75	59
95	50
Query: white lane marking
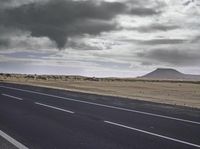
107	106
52	107
153	134
12	140
12	96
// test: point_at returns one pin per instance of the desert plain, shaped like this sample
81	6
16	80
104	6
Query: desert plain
173	92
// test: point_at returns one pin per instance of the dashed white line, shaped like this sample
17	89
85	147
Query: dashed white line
12	140
52	107
152	134
10	96
107	106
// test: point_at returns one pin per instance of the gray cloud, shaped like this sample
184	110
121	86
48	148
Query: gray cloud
79	45
144	11
58	20
156	27
146	7
16	3
4	43
195	39
4	3
188	2
161	41
61	19
156	41
174	57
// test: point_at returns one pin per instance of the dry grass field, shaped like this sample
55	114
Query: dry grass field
184	93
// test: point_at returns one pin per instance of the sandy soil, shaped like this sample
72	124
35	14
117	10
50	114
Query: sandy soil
175	93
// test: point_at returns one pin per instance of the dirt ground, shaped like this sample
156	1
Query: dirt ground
175	93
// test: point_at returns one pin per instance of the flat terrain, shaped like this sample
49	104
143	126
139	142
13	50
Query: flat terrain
184	93
40	118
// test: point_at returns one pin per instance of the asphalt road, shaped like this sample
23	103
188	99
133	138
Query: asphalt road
42	118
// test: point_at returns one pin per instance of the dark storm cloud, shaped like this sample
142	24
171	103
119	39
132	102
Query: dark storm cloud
4	43
3	2
175	57
60	19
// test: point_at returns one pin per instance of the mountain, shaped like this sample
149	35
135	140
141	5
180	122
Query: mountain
171	74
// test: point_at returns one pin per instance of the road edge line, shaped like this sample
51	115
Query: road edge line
12	140
152	134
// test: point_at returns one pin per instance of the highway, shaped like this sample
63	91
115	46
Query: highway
41	118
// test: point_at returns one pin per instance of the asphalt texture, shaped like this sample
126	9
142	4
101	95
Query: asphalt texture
4	144
43	118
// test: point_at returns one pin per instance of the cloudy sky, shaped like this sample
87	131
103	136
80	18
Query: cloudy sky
123	38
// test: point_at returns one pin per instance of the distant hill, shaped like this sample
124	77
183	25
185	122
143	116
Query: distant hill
171	74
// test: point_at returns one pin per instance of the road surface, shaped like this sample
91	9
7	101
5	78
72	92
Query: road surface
42	118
